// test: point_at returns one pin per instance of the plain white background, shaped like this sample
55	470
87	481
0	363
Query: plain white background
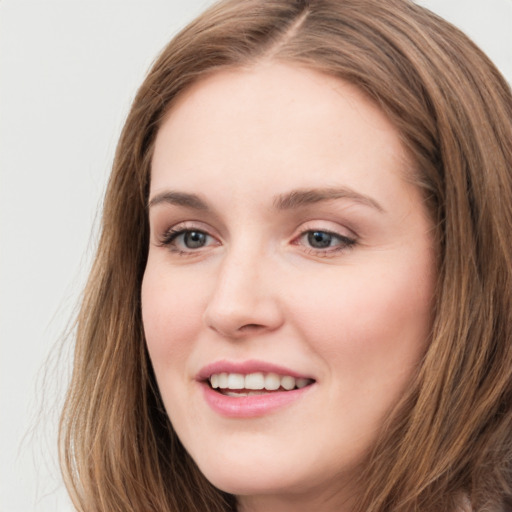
68	72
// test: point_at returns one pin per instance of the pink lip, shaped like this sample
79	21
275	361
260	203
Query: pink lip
248	406
245	367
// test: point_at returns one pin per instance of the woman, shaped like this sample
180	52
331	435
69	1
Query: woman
301	298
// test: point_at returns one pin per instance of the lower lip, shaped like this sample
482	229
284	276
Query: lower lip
251	406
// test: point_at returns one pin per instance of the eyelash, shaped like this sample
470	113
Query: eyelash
169	239
344	242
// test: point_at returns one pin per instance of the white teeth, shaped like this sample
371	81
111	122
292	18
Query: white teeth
223	380
288	383
272	381
256	381
301	383
236	381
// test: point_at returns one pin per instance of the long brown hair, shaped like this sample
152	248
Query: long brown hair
451	434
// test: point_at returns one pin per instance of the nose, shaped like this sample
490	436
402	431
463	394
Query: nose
245	299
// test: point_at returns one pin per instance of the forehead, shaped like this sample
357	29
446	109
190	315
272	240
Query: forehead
283	123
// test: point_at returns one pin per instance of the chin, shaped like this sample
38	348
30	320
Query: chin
252	482
241	472
259	473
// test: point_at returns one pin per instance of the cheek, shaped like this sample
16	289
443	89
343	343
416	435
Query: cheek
172	308
374	325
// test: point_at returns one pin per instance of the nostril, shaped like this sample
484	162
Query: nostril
250	327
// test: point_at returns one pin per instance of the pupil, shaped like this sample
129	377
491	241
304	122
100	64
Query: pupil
319	239
194	239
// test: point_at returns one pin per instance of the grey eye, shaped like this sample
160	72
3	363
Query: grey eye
319	239
194	239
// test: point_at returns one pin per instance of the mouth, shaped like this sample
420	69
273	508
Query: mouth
257	383
252	388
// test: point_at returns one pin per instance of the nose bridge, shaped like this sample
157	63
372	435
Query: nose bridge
243	299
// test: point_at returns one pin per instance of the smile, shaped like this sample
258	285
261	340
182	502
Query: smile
251	388
237	384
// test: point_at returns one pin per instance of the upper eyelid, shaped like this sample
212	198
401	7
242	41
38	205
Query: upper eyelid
320	225
179	229
169	237
350	238
324	225
191	225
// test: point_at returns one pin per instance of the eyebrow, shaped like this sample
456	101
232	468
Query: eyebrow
289	201
180	199
304	197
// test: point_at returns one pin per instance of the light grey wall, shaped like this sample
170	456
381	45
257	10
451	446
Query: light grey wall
69	69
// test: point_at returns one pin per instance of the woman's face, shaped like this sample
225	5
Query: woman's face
288	250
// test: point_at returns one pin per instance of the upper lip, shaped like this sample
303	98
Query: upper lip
246	367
